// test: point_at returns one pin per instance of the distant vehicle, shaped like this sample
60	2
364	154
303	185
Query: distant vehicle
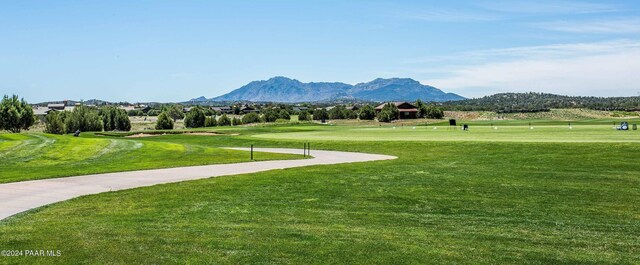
624	126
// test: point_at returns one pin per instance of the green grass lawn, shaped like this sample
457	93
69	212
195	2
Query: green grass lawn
38	156
442	201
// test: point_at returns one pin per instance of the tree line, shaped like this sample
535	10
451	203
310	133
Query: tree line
539	102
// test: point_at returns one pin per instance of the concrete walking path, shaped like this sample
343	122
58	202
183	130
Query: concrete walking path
18	197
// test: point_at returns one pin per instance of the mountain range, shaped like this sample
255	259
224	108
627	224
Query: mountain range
286	90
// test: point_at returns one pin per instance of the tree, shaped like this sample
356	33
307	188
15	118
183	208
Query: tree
175	112
338	113
15	115
236	121
388	113
304	116
195	118
251	117
433	112
84	119
284	114
367	113
270	115
135	112
164	122
153	112
224	120
114	118
422	109
210	122
54	123
320	114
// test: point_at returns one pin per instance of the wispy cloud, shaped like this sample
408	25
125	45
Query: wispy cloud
549	7
611	26
600	69
445	15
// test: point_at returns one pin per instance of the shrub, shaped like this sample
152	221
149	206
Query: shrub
164	122
304	116
15	115
338	113
210	122
433	112
367	113
251	118
224	120
195	118
54	123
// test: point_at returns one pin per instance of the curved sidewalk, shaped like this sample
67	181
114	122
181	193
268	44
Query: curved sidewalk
18	197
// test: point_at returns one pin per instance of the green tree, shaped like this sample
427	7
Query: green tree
433	112
84	119
338	113
135	112
224	120
422	109
15	115
388	113
304	116
236	121
164	122
251	117
175	112
114	118
270	115
284	114
195	118
210	122
54	123
320	114
367	113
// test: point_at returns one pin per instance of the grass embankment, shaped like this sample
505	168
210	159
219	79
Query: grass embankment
440	202
39	156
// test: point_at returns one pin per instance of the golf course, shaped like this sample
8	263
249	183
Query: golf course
501	192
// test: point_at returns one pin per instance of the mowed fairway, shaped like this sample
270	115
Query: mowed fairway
38	156
574	198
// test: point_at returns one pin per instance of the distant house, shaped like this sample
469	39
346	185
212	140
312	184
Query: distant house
405	110
187	109
247	109
223	110
40	111
300	108
354	107
127	108
144	108
56	106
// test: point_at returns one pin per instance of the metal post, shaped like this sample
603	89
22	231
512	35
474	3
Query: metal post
251	152
308	149
304	150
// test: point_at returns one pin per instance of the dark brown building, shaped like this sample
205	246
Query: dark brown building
405	110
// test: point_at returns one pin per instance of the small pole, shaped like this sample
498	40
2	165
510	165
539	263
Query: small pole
308	149
251	152
304	150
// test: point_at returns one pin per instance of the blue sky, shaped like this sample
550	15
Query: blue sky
177	50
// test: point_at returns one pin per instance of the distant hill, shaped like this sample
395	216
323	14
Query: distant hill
531	102
282	89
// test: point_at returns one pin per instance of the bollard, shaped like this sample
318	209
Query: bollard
251	152
304	150
308	149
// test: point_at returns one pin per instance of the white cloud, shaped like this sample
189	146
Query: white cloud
549	7
594	69
629	25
